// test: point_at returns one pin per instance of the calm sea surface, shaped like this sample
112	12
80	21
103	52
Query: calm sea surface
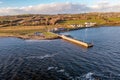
61	60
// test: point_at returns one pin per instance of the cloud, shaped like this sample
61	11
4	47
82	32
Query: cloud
61	8
105	6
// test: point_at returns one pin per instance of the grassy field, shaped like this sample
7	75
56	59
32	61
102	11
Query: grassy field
68	22
25	31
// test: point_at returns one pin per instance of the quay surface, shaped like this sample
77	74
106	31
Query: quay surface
84	44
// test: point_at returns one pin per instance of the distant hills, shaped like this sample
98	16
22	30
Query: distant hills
60	19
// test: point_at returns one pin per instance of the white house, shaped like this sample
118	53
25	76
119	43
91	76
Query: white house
89	24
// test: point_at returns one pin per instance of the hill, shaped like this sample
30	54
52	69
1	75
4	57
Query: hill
60	19
26	26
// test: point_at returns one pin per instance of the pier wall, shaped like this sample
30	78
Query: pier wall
87	45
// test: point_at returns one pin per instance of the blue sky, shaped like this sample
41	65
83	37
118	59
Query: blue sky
13	7
20	3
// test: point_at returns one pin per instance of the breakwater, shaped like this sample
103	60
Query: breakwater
84	44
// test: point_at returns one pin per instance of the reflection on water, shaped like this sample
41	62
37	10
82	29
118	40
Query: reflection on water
61	60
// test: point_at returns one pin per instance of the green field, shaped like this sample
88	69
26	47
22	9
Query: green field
68	22
25	31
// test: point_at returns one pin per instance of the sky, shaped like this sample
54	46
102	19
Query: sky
15	7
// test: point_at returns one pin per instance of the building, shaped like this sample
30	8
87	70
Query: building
89	24
58	29
76	25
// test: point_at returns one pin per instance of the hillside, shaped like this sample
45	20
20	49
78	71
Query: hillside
28	26
60	19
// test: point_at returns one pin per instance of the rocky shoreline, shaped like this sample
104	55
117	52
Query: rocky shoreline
31	38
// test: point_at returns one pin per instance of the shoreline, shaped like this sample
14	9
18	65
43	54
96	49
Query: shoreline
24	37
89	27
28	38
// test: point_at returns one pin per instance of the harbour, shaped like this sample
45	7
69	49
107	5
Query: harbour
57	59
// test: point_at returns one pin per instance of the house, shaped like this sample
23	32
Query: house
89	24
55	29
76	25
58	29
80	25
73	25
